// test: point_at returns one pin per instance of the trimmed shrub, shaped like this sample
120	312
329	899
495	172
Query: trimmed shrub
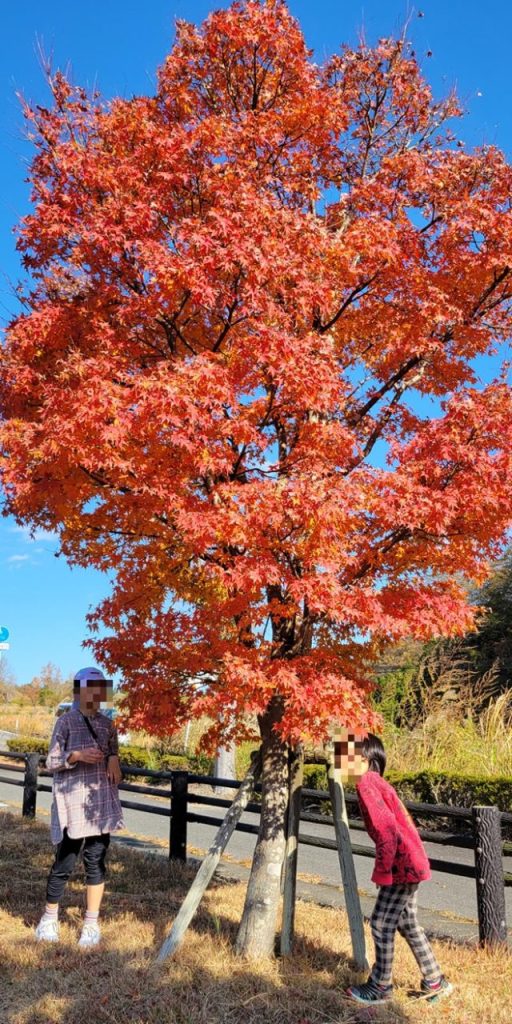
451	788
173	763
196	764
137	757
429	787
130	756
200	764
28	745
315	776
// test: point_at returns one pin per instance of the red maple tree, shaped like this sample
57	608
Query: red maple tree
244	288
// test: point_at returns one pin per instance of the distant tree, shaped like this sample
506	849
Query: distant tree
46	689
395	693
493	639
29	692
463	673
7	681
52	686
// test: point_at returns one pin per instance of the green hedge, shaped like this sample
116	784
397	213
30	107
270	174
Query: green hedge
129	755
421	787
28	745
430	787
433	787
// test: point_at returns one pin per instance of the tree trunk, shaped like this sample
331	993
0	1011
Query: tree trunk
256	935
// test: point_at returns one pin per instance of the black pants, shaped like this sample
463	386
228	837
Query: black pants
95	850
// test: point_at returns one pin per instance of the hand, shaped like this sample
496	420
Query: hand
114	774
90	755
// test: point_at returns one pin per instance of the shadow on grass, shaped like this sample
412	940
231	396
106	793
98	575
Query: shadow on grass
120	983
62	984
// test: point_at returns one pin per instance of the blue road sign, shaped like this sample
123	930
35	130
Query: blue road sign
4	634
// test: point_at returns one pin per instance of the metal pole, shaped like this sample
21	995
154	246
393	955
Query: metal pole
225	766
186	737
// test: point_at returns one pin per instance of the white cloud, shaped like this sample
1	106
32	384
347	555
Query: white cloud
39	534
18	558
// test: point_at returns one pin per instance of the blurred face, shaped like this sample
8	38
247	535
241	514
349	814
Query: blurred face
94	694
348	755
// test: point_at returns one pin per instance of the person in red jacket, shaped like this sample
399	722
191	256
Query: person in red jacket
400	865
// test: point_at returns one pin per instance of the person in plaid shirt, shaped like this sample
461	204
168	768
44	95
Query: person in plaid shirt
401	863
83	756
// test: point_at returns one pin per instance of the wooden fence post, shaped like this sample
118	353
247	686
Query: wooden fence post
207	869
348	871
178	823
490	887
291	852
30	785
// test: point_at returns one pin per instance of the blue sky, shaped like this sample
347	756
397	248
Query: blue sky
117	47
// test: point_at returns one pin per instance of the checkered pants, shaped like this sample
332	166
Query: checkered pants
396	911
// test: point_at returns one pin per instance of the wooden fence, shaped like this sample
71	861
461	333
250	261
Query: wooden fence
483	827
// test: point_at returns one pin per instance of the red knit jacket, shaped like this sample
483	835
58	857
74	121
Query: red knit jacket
400	857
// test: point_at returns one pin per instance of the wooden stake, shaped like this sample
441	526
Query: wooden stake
30	785
348	872
291	852
490	887
209	864
178	823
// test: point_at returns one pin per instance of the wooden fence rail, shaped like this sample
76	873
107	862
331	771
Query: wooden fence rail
484	827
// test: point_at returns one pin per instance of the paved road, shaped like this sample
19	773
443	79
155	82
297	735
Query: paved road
450	898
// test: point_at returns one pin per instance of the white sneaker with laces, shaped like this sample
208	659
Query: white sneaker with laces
91	935
48	930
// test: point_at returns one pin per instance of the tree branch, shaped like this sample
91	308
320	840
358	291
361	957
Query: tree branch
323	328
392	381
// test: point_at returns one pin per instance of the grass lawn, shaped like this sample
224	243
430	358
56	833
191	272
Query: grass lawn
205	983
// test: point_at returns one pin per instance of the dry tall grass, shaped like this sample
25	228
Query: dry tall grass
205	983
448	742
445	741
26	721
39	722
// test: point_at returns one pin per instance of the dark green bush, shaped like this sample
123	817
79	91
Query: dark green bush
130	755
28	745
136	757
430	787
315	776
196	764
453	788
173	763
201	764
433	787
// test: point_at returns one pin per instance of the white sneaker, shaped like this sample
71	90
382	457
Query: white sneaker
48	930
91	935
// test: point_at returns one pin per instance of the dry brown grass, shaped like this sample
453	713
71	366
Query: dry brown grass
447	741
27	721
205	983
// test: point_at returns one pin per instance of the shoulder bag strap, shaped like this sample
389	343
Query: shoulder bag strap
90	727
